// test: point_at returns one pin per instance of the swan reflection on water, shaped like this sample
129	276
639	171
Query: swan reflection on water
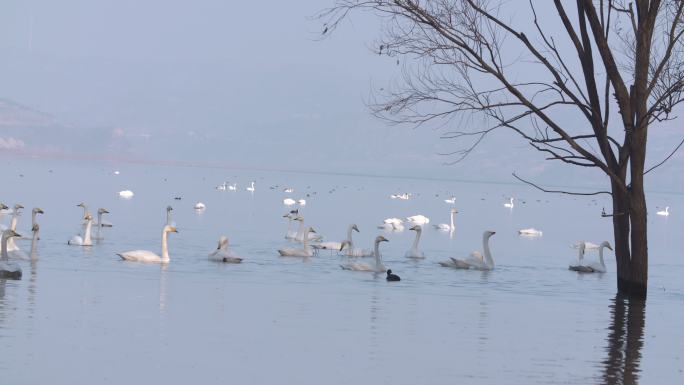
625	341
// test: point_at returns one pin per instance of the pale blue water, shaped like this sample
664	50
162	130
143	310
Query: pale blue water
83	316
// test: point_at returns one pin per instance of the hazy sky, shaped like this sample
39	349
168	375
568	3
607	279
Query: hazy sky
242	83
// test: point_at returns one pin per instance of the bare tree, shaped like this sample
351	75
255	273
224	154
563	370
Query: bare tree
586	99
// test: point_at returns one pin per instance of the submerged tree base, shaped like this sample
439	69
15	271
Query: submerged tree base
631	289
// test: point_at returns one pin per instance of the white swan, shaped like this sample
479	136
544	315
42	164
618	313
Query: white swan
476	261
11	245
8	269
377	267
339	246
301	236
288	190
392	224
665	212
600	266
510	203
404	196
451	200
447	227
289	201
200	206
148	256
302	202
413	252
418	219
251	187
222	187
86	240
306	251
531	232
223	253
232	187
126	194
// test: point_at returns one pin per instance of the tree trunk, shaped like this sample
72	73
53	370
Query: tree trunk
621	231
637	215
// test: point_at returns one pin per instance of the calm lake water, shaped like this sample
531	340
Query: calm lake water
81	315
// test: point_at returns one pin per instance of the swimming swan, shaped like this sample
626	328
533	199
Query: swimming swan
289	201
447	227
509	204
148	256
223	254
306	251
600	266
451	200
86	240
531	232
377	267
665	212
126	194
413	252
476	261
251	187
418	219
579	264
339	246
8	269
392	224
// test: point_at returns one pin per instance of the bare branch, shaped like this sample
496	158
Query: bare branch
559	191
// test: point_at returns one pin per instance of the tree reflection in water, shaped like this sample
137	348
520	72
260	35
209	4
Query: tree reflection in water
625	340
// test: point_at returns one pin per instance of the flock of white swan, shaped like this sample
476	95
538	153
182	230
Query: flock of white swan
306	241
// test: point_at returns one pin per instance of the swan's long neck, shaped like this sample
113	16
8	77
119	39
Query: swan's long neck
99	220
3	247
300	231
13	224
377	253
349	237
165	246
33	218
85	210
168	217
487	253
289	224
601	261
34	244
305	241
415	241
86	235
452	219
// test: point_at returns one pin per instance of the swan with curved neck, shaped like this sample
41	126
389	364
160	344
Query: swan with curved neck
445	226
11	245
86	240
476	261
8	269
664	213
378	267
600	266
413	252
306	251
251	187
149	256
35	229
223	253
510	203
339	246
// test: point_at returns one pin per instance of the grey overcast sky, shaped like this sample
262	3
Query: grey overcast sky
241	83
